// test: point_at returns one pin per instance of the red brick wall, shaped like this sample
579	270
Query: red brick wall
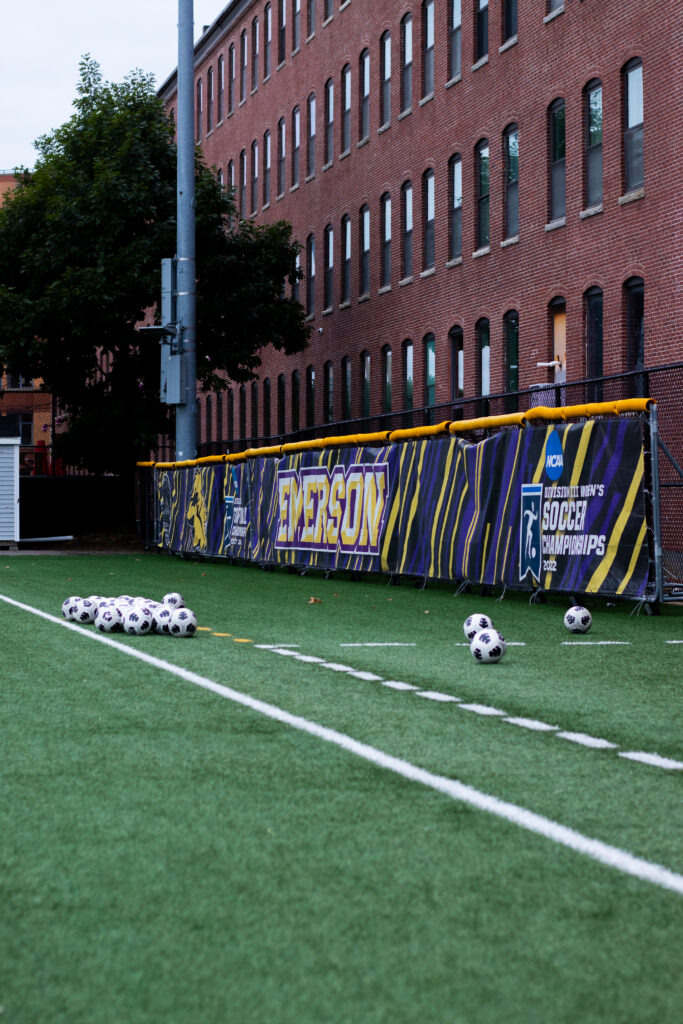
552	58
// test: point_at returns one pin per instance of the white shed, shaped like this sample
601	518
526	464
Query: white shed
9	490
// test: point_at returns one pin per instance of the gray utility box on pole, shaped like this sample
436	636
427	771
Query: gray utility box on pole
172	362
9	490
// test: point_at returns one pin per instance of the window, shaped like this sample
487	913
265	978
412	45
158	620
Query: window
328	281
310	18
266	407
429	348
407	380
198	118
243	184
558	201
406	63
281	402
297	276
455	207
428	214
385	241
231	186
483	333
231	415
509	19
386	378
555	5
310	141
427	48
454	39
267	39
385	79
481	31
220	432
254	409
345	290
254	176
209	100
244	56
346	109
593	329
633	126
511	354
557	310
455	337
281	156
364	96
310	275
281	30
365	384
219	176
243	412
364	245
634	294
254	54
231	78
483	185
329	122
327	10
328	392
266	168
296	24
296	400
221	89
511	162
406	229
296	145
310	396
346	388
592	99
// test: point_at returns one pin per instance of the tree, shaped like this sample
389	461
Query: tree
81	240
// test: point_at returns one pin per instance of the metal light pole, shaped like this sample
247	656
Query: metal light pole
186	409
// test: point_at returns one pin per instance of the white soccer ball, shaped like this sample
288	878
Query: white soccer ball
473	624
488	646
174	600
85	611
162	618
183	622
578	619
137	621
70	607
107	619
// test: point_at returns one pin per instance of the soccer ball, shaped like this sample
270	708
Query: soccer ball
578	619
70	607
183	622
107	619
162	618
85	611
137	621
474	624
488	646
174	600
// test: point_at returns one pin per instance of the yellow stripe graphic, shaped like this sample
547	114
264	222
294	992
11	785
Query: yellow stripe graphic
600	574
634	558
437	529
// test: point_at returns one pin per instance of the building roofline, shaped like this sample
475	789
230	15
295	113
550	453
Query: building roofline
207	41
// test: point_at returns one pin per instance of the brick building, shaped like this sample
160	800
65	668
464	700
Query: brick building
478	187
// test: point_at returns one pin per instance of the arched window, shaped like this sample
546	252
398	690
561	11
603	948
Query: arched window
345	262
310	396
281	156
365	384
231	78
427	48
243	412
455	337
633	117
244	56
364	95
296	146
310	18
386	378
385	241
198	116
267	39
454	38
254	410
310	275
346	388
328	155
593	332
483	332
556	160
296	25
254	54
483	197
511	162
592	119
281	31
406	63
310	135
266	407
385	79
328	282
243	184
209	100
296	399
406	230
481	29
328	392
428	215
511	358
455	207
231	415
266	168
254	176
208	420
407	381
364	248
281	405
221	89
509	19
429	353
346	109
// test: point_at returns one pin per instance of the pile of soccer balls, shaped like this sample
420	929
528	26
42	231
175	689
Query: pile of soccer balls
133	615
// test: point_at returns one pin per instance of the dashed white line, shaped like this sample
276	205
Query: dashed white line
482	709
390	644
531	723
653	759
395	684
587	741
368	677
596	643
444	698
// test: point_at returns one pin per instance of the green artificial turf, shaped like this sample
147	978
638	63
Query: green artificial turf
170	856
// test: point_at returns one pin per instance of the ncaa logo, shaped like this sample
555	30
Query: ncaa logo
554	459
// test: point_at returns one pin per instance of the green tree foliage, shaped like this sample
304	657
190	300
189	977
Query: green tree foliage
81	240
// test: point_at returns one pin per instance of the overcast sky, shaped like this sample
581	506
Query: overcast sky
42	43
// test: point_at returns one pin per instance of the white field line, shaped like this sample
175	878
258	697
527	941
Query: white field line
611	856
580	738
388	644
596	643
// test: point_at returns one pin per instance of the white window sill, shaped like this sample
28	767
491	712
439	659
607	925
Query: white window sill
345	305
455	262
328	311
383	128
453	81
343	156
591	211
428	273
553	14
484	251
363	142
294	52
384	289
293	188
365	297
405	280
309	177
404	113
327	166
508	44
426	99
631	197
512	240
480	63
329	20
554	224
